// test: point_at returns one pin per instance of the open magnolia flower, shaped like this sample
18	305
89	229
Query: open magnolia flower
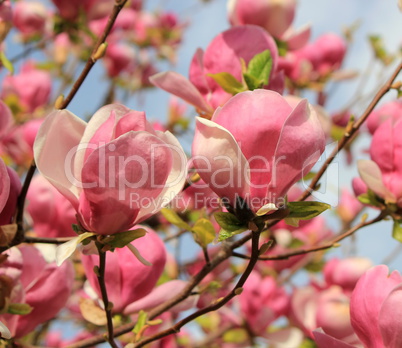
383	173
116	170
256	147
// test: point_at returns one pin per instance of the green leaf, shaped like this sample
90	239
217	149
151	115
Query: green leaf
369	198
228	221
19	308
397	230
141	321
309	176
224	234
235	336
306	210
121	239
252	82
228	82
6	63
175	219
260	66
204	232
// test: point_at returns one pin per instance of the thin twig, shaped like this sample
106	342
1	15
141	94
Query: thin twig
214	306
350	132
60	240
100	273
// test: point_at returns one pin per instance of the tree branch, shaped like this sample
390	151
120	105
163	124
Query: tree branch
351	132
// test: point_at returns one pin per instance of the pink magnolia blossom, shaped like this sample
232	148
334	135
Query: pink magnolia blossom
6	19
262	301
309	233
116	170
51	213
326	308
349	207
162	294
119	58
315	60
274	16
345	272
69	9
222	55
381	114
30	18
45	287
10	187
383	173
31	86
256	147
127	279
373	312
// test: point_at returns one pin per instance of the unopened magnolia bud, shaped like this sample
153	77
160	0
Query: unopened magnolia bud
100	52
238	291
58	104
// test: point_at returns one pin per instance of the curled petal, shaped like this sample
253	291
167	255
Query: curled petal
56	143
390	321
181	87
371	175
64	251
220	161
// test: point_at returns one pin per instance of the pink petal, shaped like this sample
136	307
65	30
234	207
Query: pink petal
48	295
175	180
367	299
161	294
390	321
4	185
220	161
127	279
268	110
181	87
296	39
300	145
100	128
325	341
371	175
122	178
59	134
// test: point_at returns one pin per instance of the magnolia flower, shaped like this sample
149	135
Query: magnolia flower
223	54
10	187
127	279
116	170
373	312
256	147
27	278
383	173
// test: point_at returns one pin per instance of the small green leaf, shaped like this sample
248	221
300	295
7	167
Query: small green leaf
252	82
228	82
309	176
76	229
19	308
228	221
173	218
369	198
260	66
6	63
224	234
235	336
306	210
121	239
295	243
204	232
141	321
397	230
